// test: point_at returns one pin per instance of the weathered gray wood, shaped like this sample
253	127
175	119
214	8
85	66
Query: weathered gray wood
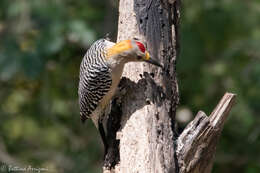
149	106
196	146
146	113
146	140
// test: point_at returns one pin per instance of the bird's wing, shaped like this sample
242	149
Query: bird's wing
94	85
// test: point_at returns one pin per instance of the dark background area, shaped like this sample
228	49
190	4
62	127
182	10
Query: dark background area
42	43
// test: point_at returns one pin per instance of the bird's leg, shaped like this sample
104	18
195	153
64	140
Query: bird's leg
103	135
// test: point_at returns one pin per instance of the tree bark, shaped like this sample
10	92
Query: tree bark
149	105
141	135
147	131
196	146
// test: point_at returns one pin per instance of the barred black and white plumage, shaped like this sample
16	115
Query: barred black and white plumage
100	72
95	78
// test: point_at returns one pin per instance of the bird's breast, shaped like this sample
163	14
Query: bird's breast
116	73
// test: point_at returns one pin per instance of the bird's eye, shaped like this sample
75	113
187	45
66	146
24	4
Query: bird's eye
139	57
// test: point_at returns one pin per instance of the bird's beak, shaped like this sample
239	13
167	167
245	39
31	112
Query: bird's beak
151	60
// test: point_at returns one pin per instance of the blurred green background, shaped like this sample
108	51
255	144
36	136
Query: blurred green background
42	43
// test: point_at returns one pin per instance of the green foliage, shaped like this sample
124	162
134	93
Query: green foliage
42	44
220	52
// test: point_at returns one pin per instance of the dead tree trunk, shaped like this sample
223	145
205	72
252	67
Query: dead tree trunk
142	122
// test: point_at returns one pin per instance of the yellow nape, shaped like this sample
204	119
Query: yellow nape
119	47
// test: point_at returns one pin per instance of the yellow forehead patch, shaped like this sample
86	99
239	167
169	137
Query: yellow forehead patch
147	56
119	47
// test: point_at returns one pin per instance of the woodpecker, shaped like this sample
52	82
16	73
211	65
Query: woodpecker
100	72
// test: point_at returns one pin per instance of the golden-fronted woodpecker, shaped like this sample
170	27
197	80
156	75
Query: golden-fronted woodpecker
100	73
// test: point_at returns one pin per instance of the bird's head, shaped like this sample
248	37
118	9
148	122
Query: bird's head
131	50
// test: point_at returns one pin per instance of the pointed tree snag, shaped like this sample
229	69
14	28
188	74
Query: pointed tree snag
196	146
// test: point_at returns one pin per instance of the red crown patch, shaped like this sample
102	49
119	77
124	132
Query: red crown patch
141	46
